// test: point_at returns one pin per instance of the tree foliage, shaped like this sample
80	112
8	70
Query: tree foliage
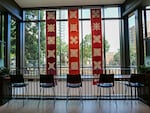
116	58
107	45
31	39
86	48
13	38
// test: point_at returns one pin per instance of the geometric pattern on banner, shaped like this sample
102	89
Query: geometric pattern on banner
96	30
73	25
51	42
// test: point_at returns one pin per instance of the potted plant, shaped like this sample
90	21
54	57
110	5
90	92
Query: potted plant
144	69
4	71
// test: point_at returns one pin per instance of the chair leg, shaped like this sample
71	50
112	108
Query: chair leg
43	93
100	93
80	93
14	92
131	93
109	93
97	93
54	93
40	97
26	93
113	91
125	92
67	93
135	92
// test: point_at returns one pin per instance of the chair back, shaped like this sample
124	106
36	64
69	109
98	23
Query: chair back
137	78
47	79
74	79
106	78
18	78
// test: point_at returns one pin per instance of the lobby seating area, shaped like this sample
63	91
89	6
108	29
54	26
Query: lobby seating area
74	56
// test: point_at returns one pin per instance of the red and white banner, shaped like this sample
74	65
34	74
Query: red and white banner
96	42
51	42
73	25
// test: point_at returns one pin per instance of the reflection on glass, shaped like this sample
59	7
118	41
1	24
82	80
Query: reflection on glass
148	22
132	40
2	43
112	43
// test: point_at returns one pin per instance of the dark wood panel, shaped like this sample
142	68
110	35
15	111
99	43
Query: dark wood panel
144	92
5	90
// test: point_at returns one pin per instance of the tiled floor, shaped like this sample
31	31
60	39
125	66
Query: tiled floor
74	106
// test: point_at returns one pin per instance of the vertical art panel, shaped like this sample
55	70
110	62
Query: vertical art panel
51	42
73	25
96	43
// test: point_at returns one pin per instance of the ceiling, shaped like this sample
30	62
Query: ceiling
52	3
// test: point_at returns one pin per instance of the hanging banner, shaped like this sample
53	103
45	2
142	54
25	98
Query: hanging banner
51	42
96	43
73	25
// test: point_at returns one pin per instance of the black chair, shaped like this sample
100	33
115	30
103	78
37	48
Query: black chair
74	81
135	81
47	81
17	81
105	81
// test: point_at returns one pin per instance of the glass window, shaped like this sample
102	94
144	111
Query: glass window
85	14
112	43
112	47
42	47
148	22
43	15
62	14
31	44
111	12
2	44
147	41
85	46
148	7
132	40
62	47
13	44
31	15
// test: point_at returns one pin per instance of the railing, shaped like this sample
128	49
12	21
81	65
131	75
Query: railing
89	90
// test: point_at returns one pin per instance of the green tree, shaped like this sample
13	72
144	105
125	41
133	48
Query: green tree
31	38
61	50
42	40
132	56
13	38
107	45
13	43
86	48
116	58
